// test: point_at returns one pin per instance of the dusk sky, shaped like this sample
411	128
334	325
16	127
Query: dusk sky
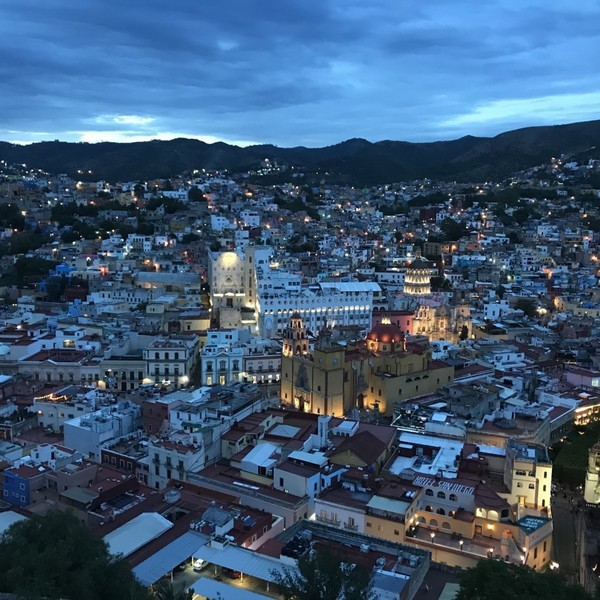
287	72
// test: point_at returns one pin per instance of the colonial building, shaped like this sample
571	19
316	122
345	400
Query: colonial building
172	359
246	290
452	498
441	320
591	492
232	355
373	374
175	458
433	315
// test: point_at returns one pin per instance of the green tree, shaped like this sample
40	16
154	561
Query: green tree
145	228
139	189
498	580
188	238
464	333
522	215
164	590
527	305
324	576
57	556
452	230
196	195
70	236
22	243
55	288
440	284
33	266
171	205
12	217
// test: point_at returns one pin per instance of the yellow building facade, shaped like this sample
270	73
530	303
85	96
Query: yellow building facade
374	374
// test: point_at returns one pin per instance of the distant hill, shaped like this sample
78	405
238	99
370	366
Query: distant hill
354	161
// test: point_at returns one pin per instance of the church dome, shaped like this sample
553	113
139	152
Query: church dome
418	264
386	333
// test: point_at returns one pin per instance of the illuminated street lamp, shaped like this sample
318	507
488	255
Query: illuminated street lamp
432	537
461	542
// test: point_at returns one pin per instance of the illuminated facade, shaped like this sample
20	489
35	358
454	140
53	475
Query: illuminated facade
444	496
248	289
171	360
528	475
417	281
323	305
591	492
439	321
373	374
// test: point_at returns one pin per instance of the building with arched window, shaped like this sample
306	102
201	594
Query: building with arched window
373	374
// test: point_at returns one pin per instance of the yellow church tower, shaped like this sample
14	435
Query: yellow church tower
312	381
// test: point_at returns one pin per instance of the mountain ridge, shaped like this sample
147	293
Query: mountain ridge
355	160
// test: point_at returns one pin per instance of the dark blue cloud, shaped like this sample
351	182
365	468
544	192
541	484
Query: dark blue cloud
293	72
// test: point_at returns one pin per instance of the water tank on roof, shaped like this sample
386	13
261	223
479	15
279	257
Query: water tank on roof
172	496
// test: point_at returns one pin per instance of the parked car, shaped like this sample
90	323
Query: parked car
199	564
231	573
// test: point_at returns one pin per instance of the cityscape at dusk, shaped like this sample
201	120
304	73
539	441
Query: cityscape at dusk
299	301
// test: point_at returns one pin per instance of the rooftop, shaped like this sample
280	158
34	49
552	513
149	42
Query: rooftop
530	524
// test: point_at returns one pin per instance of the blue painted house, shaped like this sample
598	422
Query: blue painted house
20	482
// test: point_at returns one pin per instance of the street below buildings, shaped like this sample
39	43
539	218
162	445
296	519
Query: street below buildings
564	538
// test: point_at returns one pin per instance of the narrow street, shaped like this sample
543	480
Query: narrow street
564	536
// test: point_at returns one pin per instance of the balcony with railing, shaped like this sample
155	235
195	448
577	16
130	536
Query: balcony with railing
332	521
478	547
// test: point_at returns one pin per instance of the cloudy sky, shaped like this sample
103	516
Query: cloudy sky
294	72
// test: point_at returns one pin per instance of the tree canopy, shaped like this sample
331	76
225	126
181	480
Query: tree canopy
322	575
527	305
196	195
58	557
498	580
164	590
452	230
27	270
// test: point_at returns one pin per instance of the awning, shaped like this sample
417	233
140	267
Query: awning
246	561
166	559
137	533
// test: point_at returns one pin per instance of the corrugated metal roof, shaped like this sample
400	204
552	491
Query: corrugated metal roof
137	533
166	559
261	455
243	560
